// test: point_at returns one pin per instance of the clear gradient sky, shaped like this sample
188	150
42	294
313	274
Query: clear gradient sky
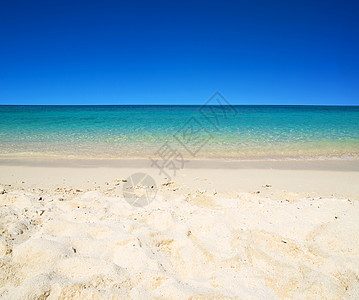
179	52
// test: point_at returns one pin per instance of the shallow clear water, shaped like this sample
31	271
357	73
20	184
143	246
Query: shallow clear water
242	132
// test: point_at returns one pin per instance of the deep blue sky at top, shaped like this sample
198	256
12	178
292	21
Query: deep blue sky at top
179	52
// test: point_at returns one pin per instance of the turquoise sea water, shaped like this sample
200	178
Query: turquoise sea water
244	132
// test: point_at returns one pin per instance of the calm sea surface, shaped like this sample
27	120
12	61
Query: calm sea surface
239	132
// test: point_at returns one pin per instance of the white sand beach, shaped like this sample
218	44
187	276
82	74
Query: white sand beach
179	150
256	230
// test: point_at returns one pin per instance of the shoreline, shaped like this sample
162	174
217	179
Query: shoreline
351	164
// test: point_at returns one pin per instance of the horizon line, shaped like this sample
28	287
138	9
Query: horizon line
355	105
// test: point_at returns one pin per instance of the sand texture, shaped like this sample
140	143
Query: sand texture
190	243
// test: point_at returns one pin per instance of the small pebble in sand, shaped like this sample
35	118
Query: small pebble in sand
267	186
120	180
2	191
40	212
79	190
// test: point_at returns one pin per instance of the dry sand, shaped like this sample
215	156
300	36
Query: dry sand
251	230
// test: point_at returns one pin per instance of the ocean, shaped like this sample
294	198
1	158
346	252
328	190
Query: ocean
202	132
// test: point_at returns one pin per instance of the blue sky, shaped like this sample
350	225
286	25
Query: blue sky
179	52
